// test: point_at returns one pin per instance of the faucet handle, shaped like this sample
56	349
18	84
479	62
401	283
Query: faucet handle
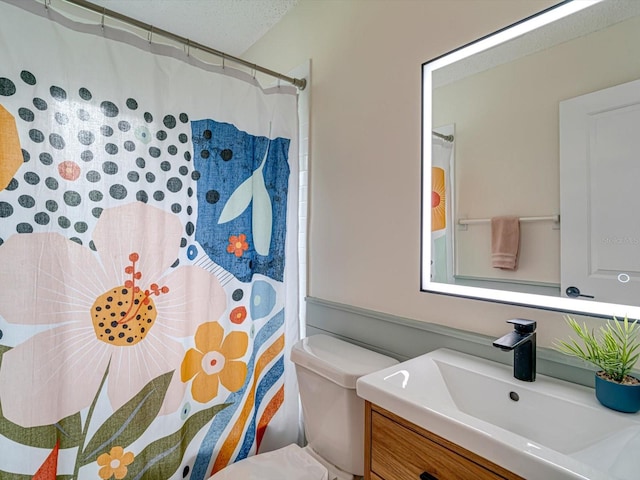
522	325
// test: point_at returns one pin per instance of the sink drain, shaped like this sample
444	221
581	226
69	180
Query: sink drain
514	396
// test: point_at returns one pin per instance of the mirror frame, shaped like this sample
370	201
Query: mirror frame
561	304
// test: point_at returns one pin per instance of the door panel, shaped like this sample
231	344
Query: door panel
599	194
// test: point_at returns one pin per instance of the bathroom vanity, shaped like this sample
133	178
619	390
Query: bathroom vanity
448	415
396	449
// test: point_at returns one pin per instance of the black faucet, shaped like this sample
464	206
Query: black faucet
523	343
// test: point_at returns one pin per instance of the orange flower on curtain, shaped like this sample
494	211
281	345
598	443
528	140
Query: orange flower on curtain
114	463
238	245
438	199
214	361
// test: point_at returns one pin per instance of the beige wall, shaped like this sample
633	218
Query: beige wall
364	230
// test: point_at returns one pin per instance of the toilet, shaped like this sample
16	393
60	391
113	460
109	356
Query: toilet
327	370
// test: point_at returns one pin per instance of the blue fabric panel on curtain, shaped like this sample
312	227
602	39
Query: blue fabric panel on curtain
148	256
236	178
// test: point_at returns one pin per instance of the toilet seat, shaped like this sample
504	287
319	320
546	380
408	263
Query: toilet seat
287	463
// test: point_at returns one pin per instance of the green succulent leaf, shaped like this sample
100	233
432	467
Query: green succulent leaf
614	349
130	421
163	457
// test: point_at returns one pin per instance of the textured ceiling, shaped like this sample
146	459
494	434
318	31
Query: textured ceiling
231	26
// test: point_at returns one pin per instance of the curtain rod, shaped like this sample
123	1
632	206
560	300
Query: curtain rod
447	138
301	83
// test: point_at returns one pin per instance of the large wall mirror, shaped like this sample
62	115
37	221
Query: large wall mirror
531	163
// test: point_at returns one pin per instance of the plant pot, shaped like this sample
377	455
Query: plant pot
618	396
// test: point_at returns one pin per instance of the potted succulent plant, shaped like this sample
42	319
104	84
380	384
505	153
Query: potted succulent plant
615	351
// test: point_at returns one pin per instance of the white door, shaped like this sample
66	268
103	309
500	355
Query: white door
600	195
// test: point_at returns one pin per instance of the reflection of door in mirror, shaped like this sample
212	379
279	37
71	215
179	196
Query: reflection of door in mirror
600	201
442	231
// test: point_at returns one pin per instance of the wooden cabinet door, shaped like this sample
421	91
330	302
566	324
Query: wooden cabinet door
399	450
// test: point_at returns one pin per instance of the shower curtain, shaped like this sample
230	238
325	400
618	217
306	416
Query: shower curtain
441	207
148	255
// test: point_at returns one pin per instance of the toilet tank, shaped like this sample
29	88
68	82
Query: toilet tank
327	369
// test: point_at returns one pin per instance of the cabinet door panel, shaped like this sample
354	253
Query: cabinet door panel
398	453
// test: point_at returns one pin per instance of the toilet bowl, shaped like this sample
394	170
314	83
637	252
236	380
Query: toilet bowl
327	370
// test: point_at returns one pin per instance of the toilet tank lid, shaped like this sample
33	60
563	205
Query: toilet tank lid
337	360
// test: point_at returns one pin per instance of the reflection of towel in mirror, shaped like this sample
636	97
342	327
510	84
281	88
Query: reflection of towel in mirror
505	242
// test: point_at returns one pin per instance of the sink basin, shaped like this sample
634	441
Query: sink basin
547	429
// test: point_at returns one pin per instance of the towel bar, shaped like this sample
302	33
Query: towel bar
463	222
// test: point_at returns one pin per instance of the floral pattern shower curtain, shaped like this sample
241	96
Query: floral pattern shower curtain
148	257
441	207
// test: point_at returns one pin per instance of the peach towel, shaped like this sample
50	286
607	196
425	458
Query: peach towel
505	242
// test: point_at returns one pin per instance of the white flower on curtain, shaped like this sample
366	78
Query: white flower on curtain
49	280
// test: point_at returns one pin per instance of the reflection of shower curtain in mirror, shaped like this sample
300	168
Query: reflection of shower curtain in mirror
441	208
148	256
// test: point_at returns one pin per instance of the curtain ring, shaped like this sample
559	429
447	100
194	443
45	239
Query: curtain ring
102	19
188	47
223	62
151	35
